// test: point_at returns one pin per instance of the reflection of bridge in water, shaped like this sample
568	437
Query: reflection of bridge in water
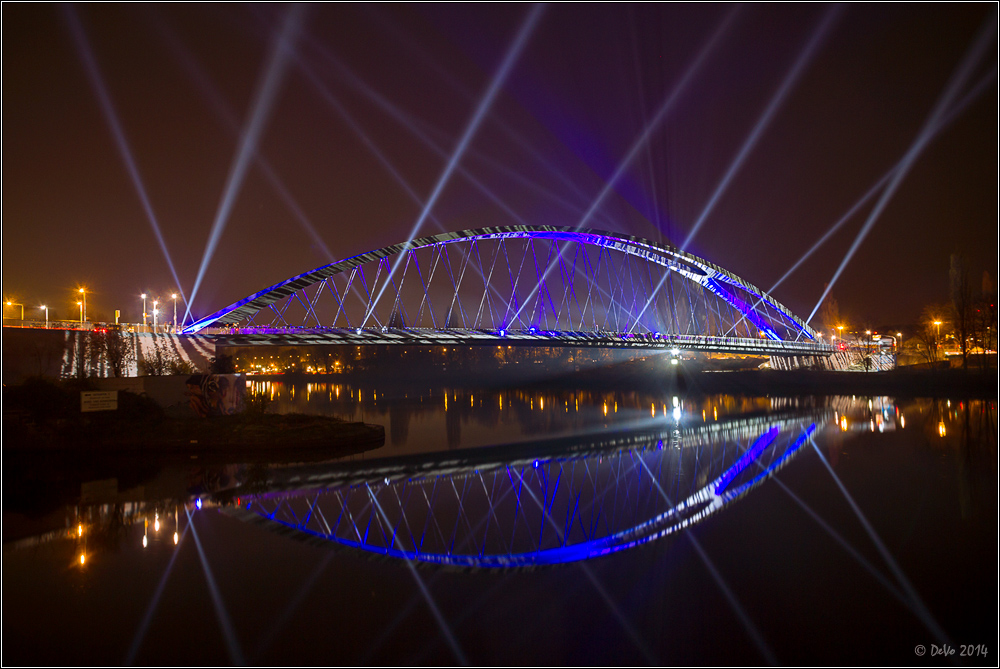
522	285
542	503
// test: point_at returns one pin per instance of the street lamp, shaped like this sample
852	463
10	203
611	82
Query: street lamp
173	296
83	291
80	304
900	335
46	315
15	304
143	309
155	313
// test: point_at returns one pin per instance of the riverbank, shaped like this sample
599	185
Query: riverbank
903	382
657	375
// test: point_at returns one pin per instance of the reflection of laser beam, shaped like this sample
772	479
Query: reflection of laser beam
431	604
220	610
111	116
487	101
140	633
765	119
921	609
261	108
927	132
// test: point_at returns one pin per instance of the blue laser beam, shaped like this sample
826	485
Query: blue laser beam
264	97
114	124
927	132
527	27
791	78
643	138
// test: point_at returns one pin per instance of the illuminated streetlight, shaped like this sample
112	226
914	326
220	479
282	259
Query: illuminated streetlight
173	296
156	312
15	304
83	291
900	335
143	296
80	304
46	315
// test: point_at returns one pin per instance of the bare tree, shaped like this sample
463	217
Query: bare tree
927	342
962	304
117	348
158	363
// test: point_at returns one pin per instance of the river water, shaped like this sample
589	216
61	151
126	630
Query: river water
527	526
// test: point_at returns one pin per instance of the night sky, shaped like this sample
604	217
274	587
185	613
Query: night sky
782	118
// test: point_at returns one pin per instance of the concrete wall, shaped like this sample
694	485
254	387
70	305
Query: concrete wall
173	393
62	354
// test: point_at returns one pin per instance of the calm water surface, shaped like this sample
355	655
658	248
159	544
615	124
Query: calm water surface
610	528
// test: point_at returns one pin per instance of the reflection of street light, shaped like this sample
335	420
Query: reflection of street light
15	304
46	315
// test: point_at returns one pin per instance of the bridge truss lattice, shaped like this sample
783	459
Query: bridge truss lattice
521	279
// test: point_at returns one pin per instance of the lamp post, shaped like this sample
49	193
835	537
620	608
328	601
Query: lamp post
80	304
15	304
46	315
155	313
173	296
83	317
900	346
143	296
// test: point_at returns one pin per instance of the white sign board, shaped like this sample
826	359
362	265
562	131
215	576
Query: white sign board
98	400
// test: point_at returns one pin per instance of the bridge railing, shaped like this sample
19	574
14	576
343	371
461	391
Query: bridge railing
529	337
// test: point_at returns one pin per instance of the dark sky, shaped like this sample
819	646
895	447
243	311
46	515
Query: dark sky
371	89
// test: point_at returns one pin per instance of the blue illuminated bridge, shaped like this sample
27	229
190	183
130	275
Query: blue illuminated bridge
532	504
524	285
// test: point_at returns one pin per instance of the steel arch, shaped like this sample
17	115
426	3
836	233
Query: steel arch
708	276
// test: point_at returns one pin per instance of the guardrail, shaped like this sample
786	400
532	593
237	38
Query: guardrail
289	336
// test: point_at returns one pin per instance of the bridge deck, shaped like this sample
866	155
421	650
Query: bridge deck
464	337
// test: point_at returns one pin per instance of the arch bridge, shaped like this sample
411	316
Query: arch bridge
524	285
532	504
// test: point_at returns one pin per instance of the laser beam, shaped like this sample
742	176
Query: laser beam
527	27
229	118
927	132
661	113
264	98
804	59
114	124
